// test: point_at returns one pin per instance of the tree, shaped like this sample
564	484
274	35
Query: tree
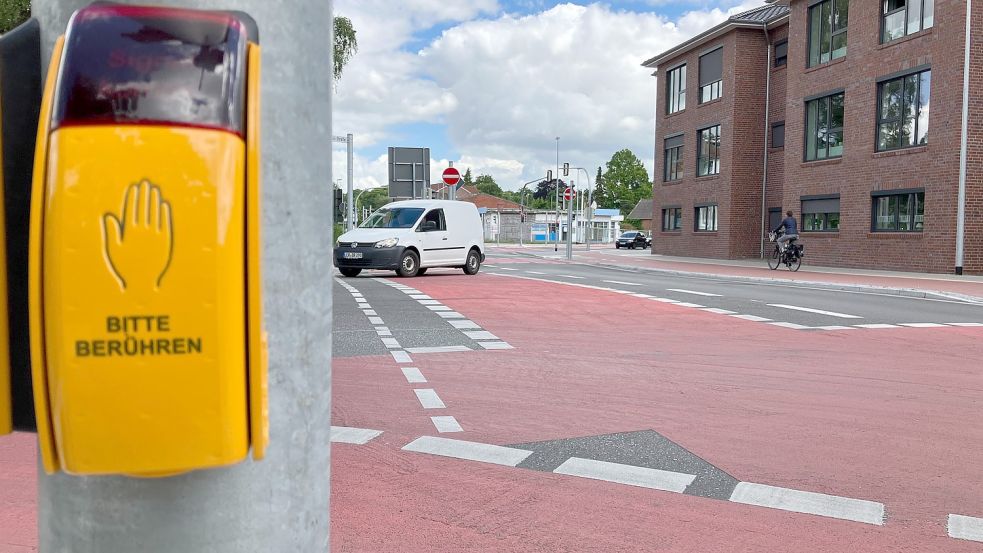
13	13
468	180
345	43
625	182
598	194
487	185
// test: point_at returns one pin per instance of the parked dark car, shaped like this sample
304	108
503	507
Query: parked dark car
632	239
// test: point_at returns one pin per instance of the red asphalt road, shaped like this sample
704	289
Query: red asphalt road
888	416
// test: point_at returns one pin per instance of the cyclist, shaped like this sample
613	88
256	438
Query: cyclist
791	231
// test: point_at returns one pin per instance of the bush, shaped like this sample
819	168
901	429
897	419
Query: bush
13	13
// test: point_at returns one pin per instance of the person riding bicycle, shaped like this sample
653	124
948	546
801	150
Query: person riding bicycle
791	229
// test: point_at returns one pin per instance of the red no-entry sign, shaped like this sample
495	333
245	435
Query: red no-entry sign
569	194
451	176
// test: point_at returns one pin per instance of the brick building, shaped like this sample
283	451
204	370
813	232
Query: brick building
822	107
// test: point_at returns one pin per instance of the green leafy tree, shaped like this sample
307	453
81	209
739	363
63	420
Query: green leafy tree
345	43
467	178
13	13
625	182
487	185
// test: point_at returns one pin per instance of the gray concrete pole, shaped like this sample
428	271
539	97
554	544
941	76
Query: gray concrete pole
570	222
280	503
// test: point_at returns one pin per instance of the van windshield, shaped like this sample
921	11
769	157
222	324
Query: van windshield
397	217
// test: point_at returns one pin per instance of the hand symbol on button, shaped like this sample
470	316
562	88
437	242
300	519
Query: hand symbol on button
139	243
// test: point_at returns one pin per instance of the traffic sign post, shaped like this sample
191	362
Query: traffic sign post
569	194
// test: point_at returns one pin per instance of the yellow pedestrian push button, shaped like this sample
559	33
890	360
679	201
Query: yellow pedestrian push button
148	353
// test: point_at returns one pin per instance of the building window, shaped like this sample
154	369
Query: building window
674	159
706	218
898	211
781	53
778	135
672	219
824	127
711	75
827	31
904	17
708	146
774	218
821	214
676	89
902	111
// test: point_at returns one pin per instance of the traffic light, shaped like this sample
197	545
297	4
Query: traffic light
566	169
549	176
339	206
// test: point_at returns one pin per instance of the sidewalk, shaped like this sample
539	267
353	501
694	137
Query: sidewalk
918	284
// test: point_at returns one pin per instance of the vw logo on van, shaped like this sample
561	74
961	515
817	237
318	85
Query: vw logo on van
354	244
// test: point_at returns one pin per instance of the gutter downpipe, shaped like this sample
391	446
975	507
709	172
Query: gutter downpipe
963	146
764	172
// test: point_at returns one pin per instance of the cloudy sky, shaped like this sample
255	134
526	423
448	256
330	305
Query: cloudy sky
489	84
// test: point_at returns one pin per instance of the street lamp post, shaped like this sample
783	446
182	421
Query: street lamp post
556	245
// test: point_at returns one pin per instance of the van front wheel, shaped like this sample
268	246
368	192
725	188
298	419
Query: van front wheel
473	263
409	264
350	272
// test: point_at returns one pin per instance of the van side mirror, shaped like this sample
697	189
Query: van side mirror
428	226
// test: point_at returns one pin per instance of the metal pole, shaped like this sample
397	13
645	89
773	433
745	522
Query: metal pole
556	245
963	147
570	224
764	170
351	180
280	503
452	193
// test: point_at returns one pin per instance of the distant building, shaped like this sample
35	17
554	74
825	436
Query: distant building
642	212
823	107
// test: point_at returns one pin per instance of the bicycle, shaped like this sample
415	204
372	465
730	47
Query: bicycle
791	257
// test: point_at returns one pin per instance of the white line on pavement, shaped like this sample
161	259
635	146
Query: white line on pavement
495	345
622	282
793	326
719	311
438	308
391	343
438	349
446	424
685	304
835	327
665	300
845	508
466	323
971	325
376	320
364	306
413	375
626	474
876	326
643	296
570	276
371	312
508	269
349	435
535	273
694	292
420	297
472	451
754	318
429	399
922	325
479	335
817	311
966	528
401	357
450	315
428	302
361	300
385	332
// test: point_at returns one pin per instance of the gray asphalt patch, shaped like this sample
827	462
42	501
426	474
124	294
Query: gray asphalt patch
645	448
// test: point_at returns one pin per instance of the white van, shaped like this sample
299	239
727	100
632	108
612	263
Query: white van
412	236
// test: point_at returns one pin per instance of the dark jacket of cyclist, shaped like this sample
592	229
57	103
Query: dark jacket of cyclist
791	230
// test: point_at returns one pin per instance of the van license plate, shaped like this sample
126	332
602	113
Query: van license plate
353	255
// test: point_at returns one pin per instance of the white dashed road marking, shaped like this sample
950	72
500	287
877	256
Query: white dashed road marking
817	311
429	399
753	318
495	345
845	508
971	325
471	451
465	324
719	311
349	435
922	325
413	375
626	474
446	424
966	528
571	276
479	335
438	308
622	282
401	357
450	315
793	326
390	343
876	326
685	304
375	320
694	292
439	349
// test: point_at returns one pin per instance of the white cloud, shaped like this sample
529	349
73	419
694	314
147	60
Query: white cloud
505	87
